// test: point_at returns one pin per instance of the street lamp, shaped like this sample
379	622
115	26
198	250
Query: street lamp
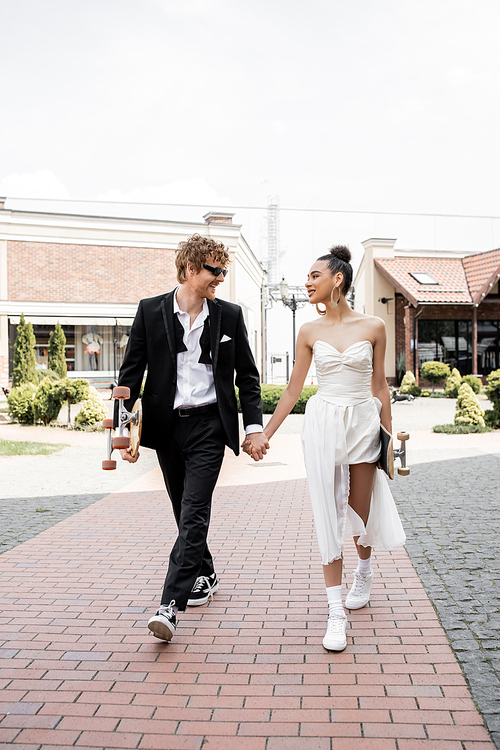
293	298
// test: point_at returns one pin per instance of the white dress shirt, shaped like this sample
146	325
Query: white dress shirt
195	381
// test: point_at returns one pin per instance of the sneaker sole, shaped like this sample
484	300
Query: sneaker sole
160	630
199	602
337	648
356	606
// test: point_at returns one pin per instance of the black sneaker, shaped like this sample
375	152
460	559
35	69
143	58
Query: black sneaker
204	588
164	622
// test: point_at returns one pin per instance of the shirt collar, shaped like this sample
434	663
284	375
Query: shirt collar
201	317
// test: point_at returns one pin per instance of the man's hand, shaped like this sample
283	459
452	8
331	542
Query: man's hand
256	445
127	455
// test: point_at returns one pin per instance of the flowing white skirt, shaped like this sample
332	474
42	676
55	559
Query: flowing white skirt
332	438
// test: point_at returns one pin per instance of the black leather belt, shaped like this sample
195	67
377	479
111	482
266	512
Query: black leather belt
193	411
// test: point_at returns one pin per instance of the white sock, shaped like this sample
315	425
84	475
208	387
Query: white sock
334	595
365	566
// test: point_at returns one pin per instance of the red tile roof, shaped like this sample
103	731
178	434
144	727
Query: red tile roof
482	271
452	287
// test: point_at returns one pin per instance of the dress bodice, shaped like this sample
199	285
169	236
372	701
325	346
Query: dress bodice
344	378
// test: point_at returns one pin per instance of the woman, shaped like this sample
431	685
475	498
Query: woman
341	433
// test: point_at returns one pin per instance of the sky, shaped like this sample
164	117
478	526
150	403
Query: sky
330	106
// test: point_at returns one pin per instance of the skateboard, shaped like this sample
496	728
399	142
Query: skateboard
132	420
389	453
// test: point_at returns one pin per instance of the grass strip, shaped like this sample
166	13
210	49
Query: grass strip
26	448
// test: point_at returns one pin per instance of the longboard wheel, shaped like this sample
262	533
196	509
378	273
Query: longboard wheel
403	436
108	465
121	442
121	391
107	424
404	471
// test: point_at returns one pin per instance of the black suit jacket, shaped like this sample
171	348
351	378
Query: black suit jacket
152	345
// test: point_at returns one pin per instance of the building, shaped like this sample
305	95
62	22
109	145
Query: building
89	273
437	305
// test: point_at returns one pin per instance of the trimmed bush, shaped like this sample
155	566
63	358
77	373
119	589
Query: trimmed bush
47	402
92	411
50	374
415	390
57	351
271	394
492	390
467	410
24	364
434	372
452	383
408	382
20	401
460	429
425	393
474	382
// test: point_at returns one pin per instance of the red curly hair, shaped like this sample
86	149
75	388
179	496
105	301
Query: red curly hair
197	250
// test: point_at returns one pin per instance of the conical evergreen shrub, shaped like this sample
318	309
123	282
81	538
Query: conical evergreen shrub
57	351
467	410
24	365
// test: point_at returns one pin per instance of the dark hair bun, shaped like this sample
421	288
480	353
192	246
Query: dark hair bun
342	252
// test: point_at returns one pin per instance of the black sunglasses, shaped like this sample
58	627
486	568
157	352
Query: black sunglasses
216	270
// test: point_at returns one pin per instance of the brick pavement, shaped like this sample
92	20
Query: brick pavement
246	671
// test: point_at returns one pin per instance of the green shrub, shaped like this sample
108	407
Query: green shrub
50	374
437	394
92	410
434	372
415	390
73	392
47	402
271	394
425	393
20	401
460	429
467	410
24	363
475	383
452	383
492	418
407	382
57	351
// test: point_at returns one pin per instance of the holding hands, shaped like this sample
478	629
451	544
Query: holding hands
256	445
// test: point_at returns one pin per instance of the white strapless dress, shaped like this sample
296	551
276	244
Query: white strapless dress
342	427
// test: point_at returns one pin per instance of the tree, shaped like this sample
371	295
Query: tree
73	392
57	351
24	369
434	372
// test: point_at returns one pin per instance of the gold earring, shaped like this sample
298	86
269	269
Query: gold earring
334	304
320	312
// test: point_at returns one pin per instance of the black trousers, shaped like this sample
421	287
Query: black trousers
191	464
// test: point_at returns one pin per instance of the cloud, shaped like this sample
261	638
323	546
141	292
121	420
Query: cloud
42	184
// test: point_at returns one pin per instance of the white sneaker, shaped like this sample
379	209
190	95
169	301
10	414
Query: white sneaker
359	595
335	637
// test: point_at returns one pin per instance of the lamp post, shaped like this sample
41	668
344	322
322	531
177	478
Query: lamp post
293	298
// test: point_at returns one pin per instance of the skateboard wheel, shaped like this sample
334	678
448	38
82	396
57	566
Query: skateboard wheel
121	442
404	471
107	424
108	465
403	436
121	391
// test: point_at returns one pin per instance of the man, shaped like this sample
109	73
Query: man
192	346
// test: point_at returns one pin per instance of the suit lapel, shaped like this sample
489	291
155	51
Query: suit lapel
215	312
167	309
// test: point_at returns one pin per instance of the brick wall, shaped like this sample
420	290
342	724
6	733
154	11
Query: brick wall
53	272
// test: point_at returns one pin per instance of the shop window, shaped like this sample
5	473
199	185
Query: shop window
488	354
447	341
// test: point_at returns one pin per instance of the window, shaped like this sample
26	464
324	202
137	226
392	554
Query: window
447	341
423	277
